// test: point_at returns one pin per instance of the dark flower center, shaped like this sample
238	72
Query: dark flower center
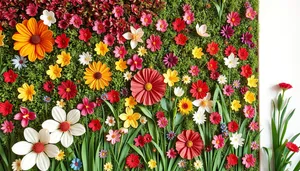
97	75
35	39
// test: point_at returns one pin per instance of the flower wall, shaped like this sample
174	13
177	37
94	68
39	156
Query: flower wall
111	85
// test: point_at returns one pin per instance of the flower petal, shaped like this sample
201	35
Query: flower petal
55	136
44	136
22	148
127	36
73	116
51	125
28	161
51	150
59	114
67	139
42	161
133	44
77	129
31	135
32	26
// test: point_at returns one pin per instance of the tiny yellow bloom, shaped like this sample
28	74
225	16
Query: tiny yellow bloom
101	48
130	102
108	166
121	65
198	164
60	156
26	92
142	51
186	79
197	52
2	36
236	105
171	77
54	72
64	59
185	106
249	97
130	118
152	164
143	120
61	103
252	81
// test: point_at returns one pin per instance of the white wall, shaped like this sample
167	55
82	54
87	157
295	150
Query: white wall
279	60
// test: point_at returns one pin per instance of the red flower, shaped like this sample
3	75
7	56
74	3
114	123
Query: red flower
246	71
178	24
212	65
148	86
232	160
139	141
215	118
189	144
10	76
181	39
67	90
285	86
62	41
199	89
243	53
233	126
230	49
113	96
160	114
147	138
212	48
85	34
48	86
292	147
132	161
6	108
214	75
95	125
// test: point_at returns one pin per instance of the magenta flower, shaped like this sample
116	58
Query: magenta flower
120	52
99	27
249	160
109	39
154	43
253	126
7	126
194	70
188	17
186	7
118	11
250	13
161	25
218	141
31	10
146	19
247	38
228	90
63	24
135	62
76	21
162	122
170	60
249	111
227	31
86	107
233	19
25	116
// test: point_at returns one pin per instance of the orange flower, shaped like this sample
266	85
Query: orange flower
33	39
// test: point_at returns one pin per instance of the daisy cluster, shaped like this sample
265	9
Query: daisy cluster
111	85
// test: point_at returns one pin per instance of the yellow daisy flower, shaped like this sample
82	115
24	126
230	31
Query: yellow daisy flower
26	92
63	59
130	118
54	72
60	155
249	97
236	105
171	77
108	166
2	36
152	164
186	79
101	48
252	81
61	103
130	102
121	65
142	51
197	52
185	106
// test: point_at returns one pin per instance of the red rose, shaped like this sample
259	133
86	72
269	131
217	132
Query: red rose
292	147
10	76
212	48
181	39
212	65
246	71
85	34
233	126
178	24
113	96
230	49
6	108
232	160
285	86
132	161
147	138
62	41
243	53
95	125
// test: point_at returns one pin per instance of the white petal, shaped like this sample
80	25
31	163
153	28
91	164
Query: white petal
203	28
209	109
22	148
133	44
31	135
67	139
133	30
55	136
196	102
208	96
28	161
205	35
51	125
42	161
59	114
127	36
73	116
44	136
201	110
77	129
51	150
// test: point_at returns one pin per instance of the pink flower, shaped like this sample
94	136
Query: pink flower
118	11
31	10
171	153
25	116
109	39
85	34
154	43
7	127
139	141
161	25
63	24
113	136
188	17
86	107
120	52
249	160
218	141
186	7
233	19
99	27
76	21
135	62
162	122
194	70
146	19
249	111
228	90
250	13
254	145
253	126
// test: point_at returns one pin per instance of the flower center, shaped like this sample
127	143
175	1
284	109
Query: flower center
29	92
189	144
199	90
35	39
203	103
25	116
97	75
184	106
68	90
38	147
148	86
49	18
64	126
113	136
21	62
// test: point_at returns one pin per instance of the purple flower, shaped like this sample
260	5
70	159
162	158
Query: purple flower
228	90
86	107
227	31
170	60
171	135
247	38
247	4
236	84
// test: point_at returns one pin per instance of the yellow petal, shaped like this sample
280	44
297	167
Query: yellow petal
123	117
126	124
21	37
27	49
32	26
22	29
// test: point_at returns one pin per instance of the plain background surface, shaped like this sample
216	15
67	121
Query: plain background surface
279	59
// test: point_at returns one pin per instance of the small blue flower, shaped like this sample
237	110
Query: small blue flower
171	135
223	126
47	99
104	96
76	164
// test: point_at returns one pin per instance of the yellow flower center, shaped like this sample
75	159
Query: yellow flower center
29	92
199	90
203	103
49	17
26	116
148	86
189	144
68	90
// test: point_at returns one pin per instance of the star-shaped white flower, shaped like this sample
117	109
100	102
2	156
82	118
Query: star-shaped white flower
48	17
199	117
135	36
204	104
85	58
236	140
231	61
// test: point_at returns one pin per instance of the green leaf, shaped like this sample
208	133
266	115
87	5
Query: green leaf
274	134
3	157
162	155
111	108
62	167
164	104
145	111
269	155
286	122
138	151
279	102
84	154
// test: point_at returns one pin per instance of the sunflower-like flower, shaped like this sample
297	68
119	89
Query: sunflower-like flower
97	75
33	39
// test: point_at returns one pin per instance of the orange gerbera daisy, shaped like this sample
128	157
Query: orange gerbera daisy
33	39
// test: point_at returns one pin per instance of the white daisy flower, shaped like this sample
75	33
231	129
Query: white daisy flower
16	165
236	140
85	58
199	117
127	75
48	17
231	61
110	121
222	79
178	91
186	79
19	62
204	104
143	120
198	164
64	127
135	36
36	149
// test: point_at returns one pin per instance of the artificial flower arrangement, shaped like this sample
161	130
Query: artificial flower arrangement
113	85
